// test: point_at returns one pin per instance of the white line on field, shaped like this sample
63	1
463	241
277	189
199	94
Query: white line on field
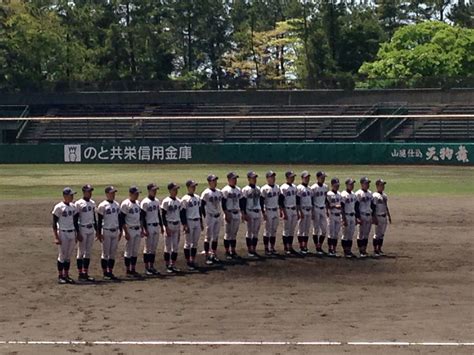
184	342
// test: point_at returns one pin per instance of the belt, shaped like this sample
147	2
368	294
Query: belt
290	208
194	219
67	230
173	223
87	225
234	212
272	209
321	208
217	215
382	215
306	208
111	229
350	214
254	211
366	214
336	214
134	227
153	224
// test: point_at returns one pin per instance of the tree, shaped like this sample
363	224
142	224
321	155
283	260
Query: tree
462	14
421	51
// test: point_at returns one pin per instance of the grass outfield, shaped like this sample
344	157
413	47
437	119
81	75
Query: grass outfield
41	181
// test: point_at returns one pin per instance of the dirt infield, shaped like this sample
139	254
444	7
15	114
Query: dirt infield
422	292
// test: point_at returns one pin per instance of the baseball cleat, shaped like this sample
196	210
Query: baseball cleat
332	254
129	274
303	252
169	270
154	271
69	280
381	253
107	276
252	255
236	256
209	261
215	259
274	252
287	252
376	254
363	255
88	278
175	269
149	272
191	267
268	253
136	274
228	256
62	280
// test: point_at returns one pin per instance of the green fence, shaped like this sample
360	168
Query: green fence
229	153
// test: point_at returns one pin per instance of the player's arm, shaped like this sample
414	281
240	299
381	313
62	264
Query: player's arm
143	222
357	210
55	229
201	214
243	207
388	213
160	220
163	217
281	203
343	210
262	206
202	209
123	224
95	219
184	220
298	207
75	220
100	222
374	215
328	206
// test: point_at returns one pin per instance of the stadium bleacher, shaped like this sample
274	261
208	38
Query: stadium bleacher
207	123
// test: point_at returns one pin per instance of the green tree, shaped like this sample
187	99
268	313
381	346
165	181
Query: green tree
425	50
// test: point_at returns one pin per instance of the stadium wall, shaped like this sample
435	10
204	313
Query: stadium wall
246	97
234	153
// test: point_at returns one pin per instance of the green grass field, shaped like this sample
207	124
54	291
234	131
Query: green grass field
46	181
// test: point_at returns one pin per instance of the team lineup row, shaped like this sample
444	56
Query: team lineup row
301	208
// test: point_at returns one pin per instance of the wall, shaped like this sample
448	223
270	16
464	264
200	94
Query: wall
255	153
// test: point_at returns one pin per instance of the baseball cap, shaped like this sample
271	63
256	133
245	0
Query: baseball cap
87	188
152	186
133	190
232	175
289	173
270	173
191	183
350	181
67	191
305	174
252	174
172	186
380	182
212	177
321	173
364	179
110	189
334	181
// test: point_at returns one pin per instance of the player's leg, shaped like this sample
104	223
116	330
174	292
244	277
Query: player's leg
300	233
136	238
255	232
168	239
114	240
152	251
187	245
81	250
233	236
69	244
88	242
209	221
294	221
379	234
273	232
61	258
195	235
174	247
267	224
323	227
216	228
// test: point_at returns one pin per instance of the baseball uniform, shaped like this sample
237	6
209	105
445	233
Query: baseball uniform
287	202
380	212
87	228
320	221
231	196
250	206
269	197
304	201
66	224
191	216
130	212
152	223
108	225
170	212
211	202
364	214
348	199
333	199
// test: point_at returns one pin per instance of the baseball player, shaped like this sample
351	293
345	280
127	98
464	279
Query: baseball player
152	225
320	223
287	203
66	233
304	206
380	215
191	219
334	211
170	214
211	202
87	229
348	217
251	212
133	231
269	203
231	195
363	212
109	231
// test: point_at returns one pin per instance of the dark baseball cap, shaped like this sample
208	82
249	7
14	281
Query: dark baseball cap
134	190
191	183
320	174
67	191
212	177
87	188
380	182
110	189
172	186
305	174
364	179
252	174
289	173
232	175
152	186
270	173
334	181
350	181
